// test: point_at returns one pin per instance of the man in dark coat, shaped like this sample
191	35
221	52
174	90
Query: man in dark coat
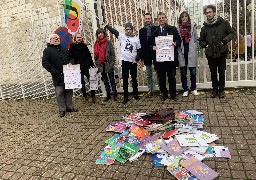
214	37
166	67
146	53
54	57
82	56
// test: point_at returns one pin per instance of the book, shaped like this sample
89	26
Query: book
156	160
138	131
113	140
179	173
221	151
118	127
108	155
187	140
174	148
198	169
126	151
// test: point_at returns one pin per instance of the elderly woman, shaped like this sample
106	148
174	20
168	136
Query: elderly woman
104	54
187	52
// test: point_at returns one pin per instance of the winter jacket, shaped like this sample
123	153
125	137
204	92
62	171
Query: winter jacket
170	30
241	46
146	53
54	57
110	61
214	38
192	54
82	56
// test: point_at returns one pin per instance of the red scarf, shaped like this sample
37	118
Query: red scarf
100	49
185	32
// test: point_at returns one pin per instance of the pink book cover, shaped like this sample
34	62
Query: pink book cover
199	169
174	148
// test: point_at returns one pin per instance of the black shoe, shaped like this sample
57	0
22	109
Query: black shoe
174	98
72	110
115	96
136	97
214	94
107	98
221	94
125	101
164	97
62	113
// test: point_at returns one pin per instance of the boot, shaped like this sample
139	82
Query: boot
221	94
214	93
107	98
115	96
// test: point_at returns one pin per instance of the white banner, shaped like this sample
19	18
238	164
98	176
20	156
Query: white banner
72	76
93	78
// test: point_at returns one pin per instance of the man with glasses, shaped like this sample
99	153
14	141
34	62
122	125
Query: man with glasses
214	37
166	67
54	57
130	55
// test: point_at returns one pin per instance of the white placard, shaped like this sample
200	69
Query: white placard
93	78
72	76
165	50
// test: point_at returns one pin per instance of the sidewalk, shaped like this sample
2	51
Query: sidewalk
36	144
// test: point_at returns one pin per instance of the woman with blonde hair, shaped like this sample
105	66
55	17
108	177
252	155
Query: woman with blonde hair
104	55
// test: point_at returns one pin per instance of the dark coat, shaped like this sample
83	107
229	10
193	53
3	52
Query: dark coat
146	53
216	36
110	61
82	56
54	57
169	30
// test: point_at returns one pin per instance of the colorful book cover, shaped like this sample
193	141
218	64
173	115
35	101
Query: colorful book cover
221	151
108	155
118	127
198	169
174	148
139	132
137	155
168	134
113	140
187	140
154	146
127	151
179	173
206	137
156	160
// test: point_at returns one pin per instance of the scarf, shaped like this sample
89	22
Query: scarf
185	32
100	49
213	21
148	28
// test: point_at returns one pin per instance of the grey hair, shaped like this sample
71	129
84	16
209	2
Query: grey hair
51	36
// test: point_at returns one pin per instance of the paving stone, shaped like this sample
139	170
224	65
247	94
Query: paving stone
37	144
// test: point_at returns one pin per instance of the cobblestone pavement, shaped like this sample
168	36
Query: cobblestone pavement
36	144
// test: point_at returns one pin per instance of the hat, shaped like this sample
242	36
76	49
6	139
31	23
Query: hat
128	25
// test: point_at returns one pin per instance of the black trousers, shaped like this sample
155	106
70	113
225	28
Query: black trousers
132	68
217	65
164	68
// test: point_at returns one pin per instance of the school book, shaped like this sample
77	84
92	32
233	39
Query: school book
179	173
113	140
221	151
138	131
126	151
108	155
174	148
198	169
118	127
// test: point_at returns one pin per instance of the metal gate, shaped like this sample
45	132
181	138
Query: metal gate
26	26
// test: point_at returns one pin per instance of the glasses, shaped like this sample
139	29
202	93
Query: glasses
128	29
56	38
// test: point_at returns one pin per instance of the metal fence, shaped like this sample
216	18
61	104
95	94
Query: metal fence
22	75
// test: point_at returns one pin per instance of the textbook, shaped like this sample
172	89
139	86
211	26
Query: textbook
127	151
108	155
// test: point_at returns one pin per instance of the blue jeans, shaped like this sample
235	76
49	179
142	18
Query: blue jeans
150	78
106	77
183	74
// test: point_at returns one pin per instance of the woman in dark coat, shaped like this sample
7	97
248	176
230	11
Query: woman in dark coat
82	56
104	54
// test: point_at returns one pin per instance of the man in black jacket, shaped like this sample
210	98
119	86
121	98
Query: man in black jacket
214	36
166	67
146	53
54	57
82	56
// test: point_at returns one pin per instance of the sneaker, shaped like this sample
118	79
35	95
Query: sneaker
195	93
185	94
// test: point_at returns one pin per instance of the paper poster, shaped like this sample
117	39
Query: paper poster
199	169
165	50
72	76
93	78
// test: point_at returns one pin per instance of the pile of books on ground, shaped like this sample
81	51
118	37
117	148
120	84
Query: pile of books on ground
176	141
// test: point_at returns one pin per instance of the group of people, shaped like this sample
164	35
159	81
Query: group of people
215	34
240	47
